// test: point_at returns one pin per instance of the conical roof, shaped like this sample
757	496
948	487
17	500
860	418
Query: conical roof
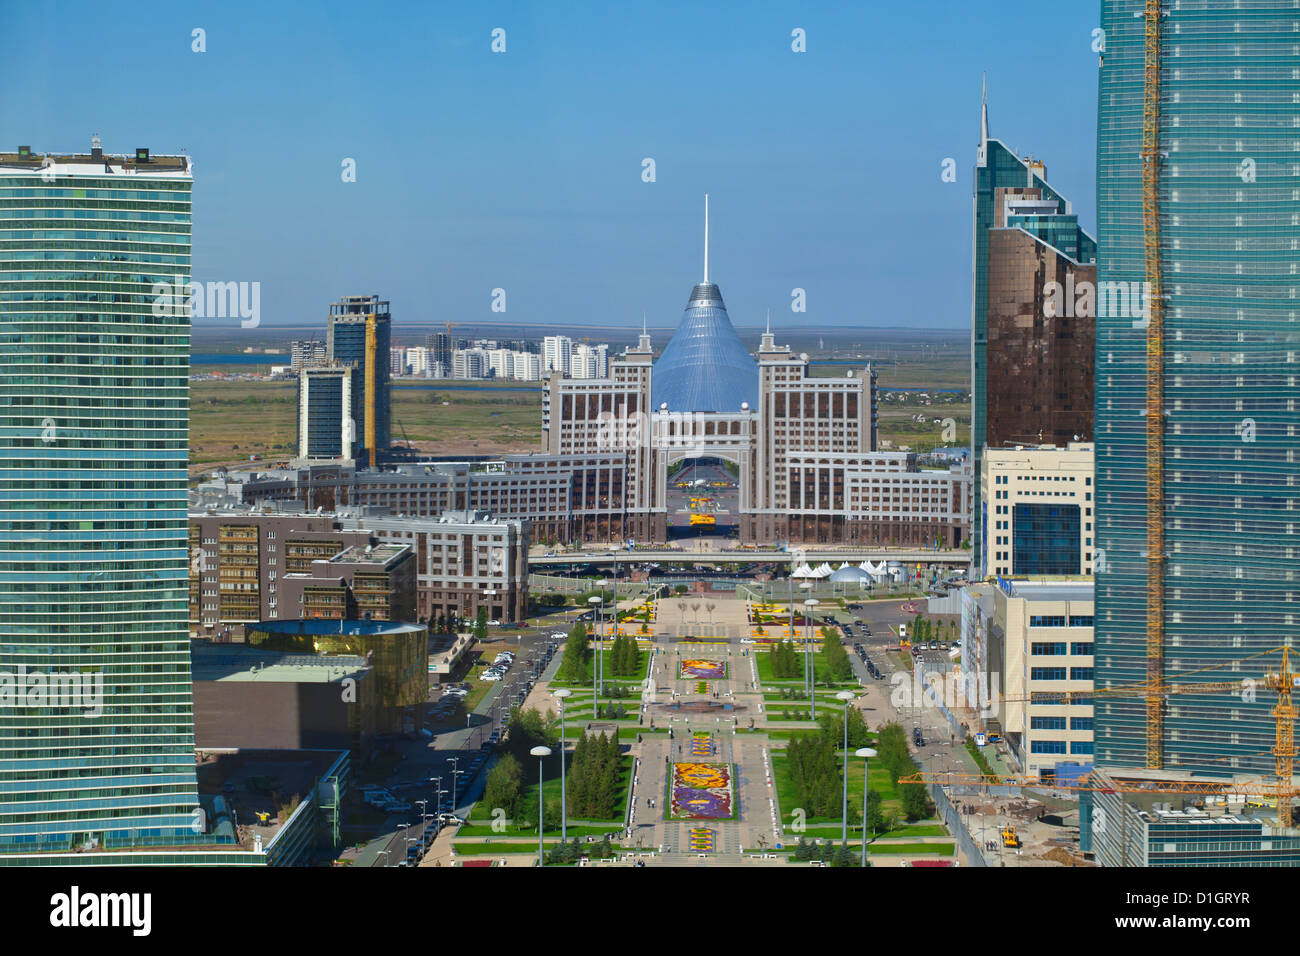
704	367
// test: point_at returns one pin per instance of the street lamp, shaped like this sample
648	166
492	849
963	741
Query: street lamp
866	753
807	645
562	693
846	696
541	753
437	792
455	772
595	603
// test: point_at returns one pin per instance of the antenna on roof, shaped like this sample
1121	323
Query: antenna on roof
706	237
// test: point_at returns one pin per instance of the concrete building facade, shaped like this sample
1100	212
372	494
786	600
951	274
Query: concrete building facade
1037	511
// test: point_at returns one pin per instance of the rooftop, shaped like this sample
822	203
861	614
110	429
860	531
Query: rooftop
95	163
378	555
1052	590
236	662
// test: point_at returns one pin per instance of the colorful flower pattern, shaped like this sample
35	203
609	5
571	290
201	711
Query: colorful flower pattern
705	669
701	791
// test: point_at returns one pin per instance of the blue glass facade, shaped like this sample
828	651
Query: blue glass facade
94	408
1229	239
704	367
1045	539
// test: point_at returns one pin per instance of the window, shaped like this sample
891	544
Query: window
1080	673
1046	723
1081	723
1081	620
1047	649
1047	620
1047	673
1047	747
1081	648
1081	747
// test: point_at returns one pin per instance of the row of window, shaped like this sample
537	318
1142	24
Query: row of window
1059	723
1058	620
1059	747
1058	673
1058	648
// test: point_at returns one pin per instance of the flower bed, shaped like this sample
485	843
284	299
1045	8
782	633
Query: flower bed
701	669
701	791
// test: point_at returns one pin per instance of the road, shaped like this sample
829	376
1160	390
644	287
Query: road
813	556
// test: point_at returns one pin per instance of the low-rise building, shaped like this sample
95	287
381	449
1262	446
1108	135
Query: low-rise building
277	560
1040	649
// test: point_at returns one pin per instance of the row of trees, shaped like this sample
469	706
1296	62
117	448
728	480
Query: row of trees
827	852
530	728
624	658
815	772
891	747
834	660
592	785
575	666
785	661
833	663
572	851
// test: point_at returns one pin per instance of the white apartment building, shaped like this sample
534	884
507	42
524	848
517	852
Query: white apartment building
589	361
419	361
556	353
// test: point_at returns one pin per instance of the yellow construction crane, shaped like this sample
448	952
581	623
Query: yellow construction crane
1281	683
371	349
1155	408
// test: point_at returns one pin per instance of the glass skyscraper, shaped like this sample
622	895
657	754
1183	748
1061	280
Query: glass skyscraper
360	338
1226	229
1031	358
93	452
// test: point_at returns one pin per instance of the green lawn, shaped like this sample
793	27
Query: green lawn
480	815
787	801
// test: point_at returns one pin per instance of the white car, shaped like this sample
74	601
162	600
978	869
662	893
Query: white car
493	623
559	636
747	640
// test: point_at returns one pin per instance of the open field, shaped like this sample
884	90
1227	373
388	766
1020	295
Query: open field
231	420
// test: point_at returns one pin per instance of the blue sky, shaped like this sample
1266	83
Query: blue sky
523	170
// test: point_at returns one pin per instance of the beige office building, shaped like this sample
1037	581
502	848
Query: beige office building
1037	511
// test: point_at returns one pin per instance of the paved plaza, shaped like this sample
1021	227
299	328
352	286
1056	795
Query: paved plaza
702	703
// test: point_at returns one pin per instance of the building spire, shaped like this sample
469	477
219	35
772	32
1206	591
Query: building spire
984	111
706	238
769	321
